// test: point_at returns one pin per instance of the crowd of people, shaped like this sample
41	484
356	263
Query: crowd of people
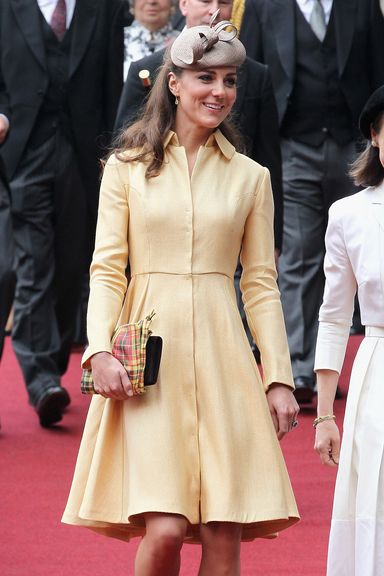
239	138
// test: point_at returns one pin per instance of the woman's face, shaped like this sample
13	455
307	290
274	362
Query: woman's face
153	14
205	96
378	139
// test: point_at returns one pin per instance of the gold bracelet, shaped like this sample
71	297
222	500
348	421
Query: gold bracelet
323	419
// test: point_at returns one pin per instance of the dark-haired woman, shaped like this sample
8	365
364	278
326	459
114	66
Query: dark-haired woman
355	261
197	457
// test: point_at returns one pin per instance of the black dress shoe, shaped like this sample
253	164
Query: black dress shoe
304	389
51	405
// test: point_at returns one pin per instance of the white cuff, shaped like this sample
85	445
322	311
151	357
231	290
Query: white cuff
332	339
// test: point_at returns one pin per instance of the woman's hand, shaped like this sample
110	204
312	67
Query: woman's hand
110	378
327	442
327	437
283	407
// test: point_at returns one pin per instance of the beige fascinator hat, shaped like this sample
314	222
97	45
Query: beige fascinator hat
208	46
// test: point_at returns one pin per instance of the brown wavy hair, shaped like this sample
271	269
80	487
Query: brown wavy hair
367	169
145	138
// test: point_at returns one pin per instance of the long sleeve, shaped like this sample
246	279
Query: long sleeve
108	277
340	284
260	292
331	345
336	312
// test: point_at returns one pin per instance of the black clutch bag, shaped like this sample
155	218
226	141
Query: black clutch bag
154	348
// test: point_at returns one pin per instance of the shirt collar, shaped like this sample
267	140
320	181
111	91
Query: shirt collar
215	139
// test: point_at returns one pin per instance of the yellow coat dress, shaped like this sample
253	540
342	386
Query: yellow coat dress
201	442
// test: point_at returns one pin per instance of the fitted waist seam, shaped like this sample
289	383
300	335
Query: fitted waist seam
182	274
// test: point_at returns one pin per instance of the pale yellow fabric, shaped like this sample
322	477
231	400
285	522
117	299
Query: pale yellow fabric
201	442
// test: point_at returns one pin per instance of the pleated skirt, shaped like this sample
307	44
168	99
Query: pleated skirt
356	545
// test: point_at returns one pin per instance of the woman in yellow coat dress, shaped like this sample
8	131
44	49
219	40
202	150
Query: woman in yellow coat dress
197	457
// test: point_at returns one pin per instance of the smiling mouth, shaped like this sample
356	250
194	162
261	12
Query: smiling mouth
216	107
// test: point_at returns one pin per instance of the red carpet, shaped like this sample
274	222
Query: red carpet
36	467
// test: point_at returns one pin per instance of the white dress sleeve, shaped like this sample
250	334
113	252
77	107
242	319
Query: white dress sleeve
331	344
335	316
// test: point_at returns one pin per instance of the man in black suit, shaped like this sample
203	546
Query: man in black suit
325	59
60	81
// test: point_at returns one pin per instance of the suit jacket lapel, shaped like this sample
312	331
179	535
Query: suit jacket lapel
282	19
344	17
27	14
83	22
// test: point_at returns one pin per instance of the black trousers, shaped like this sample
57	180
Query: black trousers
49	220
7	275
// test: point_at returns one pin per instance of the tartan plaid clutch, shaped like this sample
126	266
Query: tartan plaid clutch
138	351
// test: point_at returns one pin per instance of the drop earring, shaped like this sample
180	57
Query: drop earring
176	100
373	143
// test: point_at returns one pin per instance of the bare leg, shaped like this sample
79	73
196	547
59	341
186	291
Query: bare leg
221	549
159	550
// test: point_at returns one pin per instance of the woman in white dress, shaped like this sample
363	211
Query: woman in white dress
355	261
